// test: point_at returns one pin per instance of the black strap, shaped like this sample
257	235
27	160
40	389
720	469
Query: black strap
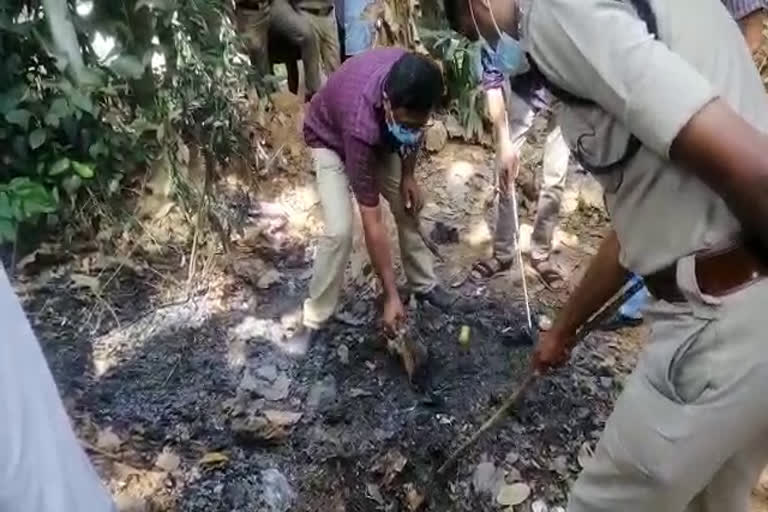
645	13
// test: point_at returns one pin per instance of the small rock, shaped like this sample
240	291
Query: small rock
278	496
560	465
267	372
343	353
108	440
487	478
413	498
545	323
435	137
322	394
168	461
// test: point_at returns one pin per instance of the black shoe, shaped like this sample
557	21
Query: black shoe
445	300
620	321
298	344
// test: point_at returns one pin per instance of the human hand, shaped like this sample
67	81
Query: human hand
552	351
411	195
509	158
393	315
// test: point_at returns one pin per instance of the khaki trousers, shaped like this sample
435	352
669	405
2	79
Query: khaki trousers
327	37
253	25
554	170
296	25
690	431
334	247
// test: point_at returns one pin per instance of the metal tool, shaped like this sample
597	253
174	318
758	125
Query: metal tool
517	396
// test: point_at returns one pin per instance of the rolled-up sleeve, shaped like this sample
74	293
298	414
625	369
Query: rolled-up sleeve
492	77
359	160
601	50
741	8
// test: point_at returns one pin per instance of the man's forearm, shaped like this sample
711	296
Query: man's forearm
377	242
604	277
409	164
497	113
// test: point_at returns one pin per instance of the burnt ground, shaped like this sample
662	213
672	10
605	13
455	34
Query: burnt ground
191	402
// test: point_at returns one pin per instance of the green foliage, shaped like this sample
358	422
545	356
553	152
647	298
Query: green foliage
57	138
461	62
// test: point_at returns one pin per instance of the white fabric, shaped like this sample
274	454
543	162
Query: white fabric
601	50
42	466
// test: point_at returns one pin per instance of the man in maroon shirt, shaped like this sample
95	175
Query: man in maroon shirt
363	129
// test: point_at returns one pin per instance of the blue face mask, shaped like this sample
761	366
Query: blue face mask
508	56
404	136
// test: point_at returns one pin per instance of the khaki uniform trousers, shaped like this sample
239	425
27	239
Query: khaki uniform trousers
253	26
334	247
690	431
327	37
297	26
554	173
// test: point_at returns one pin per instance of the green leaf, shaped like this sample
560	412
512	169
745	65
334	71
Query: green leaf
84	170
81	101
98	149
59	108
19	117
37	138
71	184
7	230
51	120
11	99
5	206
128	66
59	166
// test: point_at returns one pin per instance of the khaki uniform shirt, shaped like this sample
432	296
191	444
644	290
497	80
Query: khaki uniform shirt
601	50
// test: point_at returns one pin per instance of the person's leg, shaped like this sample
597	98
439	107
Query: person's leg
42	464
418	263
554	170
685	433
520	117
296	26
334	247
253	25
327	33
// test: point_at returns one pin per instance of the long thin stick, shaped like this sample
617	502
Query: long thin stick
608	311
432	246
519	251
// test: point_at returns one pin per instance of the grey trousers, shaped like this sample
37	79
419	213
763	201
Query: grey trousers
690	431
555	168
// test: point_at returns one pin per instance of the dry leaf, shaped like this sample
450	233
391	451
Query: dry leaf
168	461
282	418
84	281
108	440
413	498
514	494
268	278
214	459
391	465
585	454
343	353
372	492
357	392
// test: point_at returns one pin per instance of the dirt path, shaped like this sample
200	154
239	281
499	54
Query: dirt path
195	405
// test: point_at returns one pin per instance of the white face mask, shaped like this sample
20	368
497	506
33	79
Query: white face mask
508	54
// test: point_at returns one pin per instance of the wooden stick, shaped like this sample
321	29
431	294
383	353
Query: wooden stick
513	400
432	246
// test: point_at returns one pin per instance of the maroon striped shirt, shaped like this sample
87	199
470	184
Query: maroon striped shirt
346	116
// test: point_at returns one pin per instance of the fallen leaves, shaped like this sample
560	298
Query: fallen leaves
214	459
84	281
390	465
514	494
168	461
413	498
373	493
108	441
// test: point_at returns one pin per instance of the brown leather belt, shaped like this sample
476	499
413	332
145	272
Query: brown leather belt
717	273
318	11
